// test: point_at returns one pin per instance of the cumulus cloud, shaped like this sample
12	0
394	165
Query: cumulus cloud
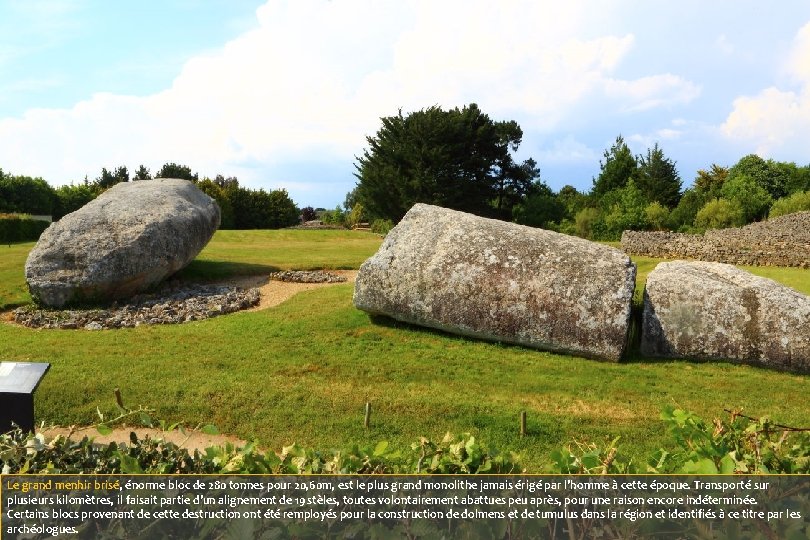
314	77
777	121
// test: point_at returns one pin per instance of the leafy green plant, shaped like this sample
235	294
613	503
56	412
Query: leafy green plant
740	445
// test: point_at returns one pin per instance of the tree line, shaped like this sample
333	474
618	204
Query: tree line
461	159
241	207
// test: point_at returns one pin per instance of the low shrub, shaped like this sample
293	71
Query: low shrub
740	445
797	202
382	226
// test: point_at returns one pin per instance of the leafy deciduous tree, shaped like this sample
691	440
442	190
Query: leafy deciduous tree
624	209
719	214
710	182
540	209
753	199
26	195
771	177
71	198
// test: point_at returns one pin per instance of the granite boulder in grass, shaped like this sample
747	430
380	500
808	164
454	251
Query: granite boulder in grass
715	311
500	281
130	238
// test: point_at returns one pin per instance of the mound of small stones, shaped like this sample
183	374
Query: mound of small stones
172	305
307	276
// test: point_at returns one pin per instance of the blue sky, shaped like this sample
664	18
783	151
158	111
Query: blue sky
283	93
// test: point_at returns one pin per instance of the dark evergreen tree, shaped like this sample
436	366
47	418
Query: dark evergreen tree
173	170
657	178
308	214
458	159
142	173
618	167
109	179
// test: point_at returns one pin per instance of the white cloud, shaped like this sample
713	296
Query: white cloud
776	120
567	150
652	91
313	79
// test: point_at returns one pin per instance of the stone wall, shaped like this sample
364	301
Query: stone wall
782	241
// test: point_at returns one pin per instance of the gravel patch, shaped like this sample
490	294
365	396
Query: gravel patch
172	305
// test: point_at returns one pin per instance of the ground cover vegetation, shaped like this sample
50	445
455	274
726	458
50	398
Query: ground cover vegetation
302	372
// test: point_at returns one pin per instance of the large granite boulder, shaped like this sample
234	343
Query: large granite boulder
130	238
500	281
705	310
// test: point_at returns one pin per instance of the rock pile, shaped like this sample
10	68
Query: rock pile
307	276
175	304
129	239
500	281
782	241
704	310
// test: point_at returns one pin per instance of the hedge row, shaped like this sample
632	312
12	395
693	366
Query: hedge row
20	229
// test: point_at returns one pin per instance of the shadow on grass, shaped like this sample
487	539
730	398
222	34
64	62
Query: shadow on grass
632	353
203	270
389	322
13	305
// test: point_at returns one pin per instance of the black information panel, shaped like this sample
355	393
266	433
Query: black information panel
18	380
475	506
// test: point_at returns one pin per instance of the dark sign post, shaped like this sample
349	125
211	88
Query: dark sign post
18	380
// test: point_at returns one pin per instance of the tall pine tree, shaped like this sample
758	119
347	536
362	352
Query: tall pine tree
657	178
618	167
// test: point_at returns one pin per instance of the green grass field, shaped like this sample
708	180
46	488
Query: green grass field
302	371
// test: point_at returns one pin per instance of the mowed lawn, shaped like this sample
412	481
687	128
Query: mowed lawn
302	371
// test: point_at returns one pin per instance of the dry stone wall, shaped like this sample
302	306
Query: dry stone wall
782	241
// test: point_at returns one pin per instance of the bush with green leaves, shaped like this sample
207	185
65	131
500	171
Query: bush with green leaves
740	445
382	226
720	214
797	202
